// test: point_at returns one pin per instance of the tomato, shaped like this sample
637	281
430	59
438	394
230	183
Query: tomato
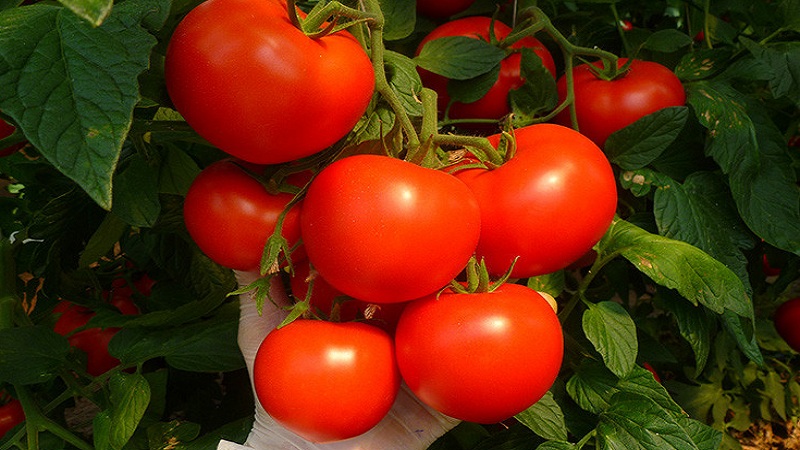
652	370
439	9
494	104
626	25
480	357
384	230
11	415
7	130
326	381
603	107
257	87
230	215
93	341
324	295
786	318
548	205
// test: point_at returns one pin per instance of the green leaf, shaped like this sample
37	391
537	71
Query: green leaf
641	181
636	422
72	87
782	62
641	142
556	445
743	331
611	330
545	418
680	266
129	396
667	41
694	324
102	241
702	64
538	95
177	171
404	80
31	355
136	194
459	57
473	89
162	435
400	18
703	436
553	283
92	11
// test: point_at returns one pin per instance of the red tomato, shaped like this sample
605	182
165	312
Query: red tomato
548	205
230	215
603	107
652	370
439	9
323	296
494	104
626	25
93	341
326	381
11	415
257	87
787	318
384	230
7	130
480	357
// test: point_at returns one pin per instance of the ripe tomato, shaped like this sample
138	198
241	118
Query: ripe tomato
11	415
384	230
7	130
439	9
494	104
326	381
603	107
251	83
93	341
548	205
230	215
324	295
786	319
480	357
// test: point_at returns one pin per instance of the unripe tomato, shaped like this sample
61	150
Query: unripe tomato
326	381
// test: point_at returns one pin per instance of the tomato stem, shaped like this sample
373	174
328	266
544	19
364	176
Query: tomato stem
8	280
36	421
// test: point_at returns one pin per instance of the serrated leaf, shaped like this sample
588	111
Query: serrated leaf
545	418
556	445
680	266
129	397
473	89
635	422
667	40
399	17
92	11
403	78
694	324
611	330
459	57
641	142
782	62
72	87
30	355
538	94
703	436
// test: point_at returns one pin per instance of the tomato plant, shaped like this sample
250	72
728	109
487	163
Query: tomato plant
326	381
494	103
605	106
11	415
230	214
385	239
513	339
257	115
786	318
547	205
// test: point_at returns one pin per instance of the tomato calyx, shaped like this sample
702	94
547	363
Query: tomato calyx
325	18
478	279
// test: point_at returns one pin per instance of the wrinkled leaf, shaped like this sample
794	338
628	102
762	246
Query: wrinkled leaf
459	57
545	418
30	355
641	142
611	330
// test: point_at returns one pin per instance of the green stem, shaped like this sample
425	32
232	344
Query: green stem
35	421
8	281
622	35
331	12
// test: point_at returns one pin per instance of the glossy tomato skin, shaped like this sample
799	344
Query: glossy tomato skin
93	341
494	104
548	205
11	415
255	96
384	230
440	9
230	215
603	107
787	321
326	381
480	357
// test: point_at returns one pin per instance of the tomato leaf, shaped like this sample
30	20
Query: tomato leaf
635	421
612	332
782	62
459	57
667	41
538	94
641	142
473	89
136	194
30	355
92	11
556	445
102	241
553	283
641	181
81	81
400	17
404	80
702	64
695	325
176	172
129	396
545	418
